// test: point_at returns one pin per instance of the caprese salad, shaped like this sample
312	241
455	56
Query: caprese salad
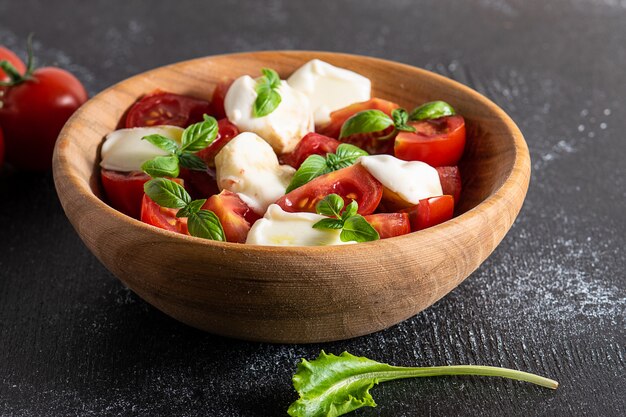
311	160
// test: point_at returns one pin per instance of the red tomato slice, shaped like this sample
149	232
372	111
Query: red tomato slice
161	217
311	144
8	55
217	102
124	190
161	108
390	224
199	184
226	131
351	183
438	142
235	215
450	178
430	212
339	117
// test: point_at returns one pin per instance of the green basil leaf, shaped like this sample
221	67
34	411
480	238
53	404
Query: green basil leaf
168	145
266	102
345	156
167	193
311	168
162	166
330	206
205	224
400	120
432	110
335	224
271	77
350	210
366	121
199	135
191	161
357	229
191	208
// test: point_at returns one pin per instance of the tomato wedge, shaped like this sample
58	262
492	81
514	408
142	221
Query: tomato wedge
226	131
199	184
235	215
450	178
438	142
161	217
217	102
311	144
430	212
124	190
351	183
162	108
390	224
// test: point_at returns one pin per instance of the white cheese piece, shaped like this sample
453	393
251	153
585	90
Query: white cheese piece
248	166
283	128
411	180
280	228
123	150
329	88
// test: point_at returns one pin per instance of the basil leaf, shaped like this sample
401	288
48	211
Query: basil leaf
311	168
162	166
366	121
192	161
167	193
191	208
432	110
330	206
168	145
335	385
335	224
350	210
266	102
346	155
205	224
357	229
271	77
199	135
400	119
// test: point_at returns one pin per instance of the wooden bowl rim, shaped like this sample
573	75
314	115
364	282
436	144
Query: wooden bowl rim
516	175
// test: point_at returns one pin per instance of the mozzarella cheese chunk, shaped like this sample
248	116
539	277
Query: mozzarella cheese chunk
123	149
248	166
411	180
283	128
280	228
329	88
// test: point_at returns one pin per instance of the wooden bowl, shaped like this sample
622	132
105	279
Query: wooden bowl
296	294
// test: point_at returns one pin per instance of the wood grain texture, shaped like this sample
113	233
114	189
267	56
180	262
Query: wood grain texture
296	294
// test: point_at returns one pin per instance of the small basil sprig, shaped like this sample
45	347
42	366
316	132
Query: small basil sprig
432	110
200	223
368	121
336	385
353	226
316	165
195	138
268	98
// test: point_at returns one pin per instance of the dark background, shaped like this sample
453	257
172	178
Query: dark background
551	299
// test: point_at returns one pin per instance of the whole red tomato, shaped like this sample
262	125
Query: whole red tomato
14	60
35	106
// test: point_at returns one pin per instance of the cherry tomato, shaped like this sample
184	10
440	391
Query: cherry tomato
33	113
217	102
161	108
161	217
438	142
226	131
1	149
8	55
430	212
199	184
235	215
351	183
390	224
124	190
311	144
450	178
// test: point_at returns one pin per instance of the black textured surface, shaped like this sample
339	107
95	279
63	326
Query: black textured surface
551	299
